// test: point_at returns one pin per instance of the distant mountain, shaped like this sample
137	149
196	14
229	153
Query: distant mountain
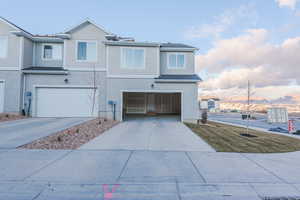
258	107
290	99
291	102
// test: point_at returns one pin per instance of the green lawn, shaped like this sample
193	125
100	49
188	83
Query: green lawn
226	138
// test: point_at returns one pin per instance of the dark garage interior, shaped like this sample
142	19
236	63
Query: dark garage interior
151	104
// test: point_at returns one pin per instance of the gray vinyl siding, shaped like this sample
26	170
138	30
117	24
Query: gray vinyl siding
40	62
189	65
27	53
189	101
88	32
75	78
114	62
12	91
13	51
110	87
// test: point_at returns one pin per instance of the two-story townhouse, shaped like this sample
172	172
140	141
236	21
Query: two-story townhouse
88	71
11	59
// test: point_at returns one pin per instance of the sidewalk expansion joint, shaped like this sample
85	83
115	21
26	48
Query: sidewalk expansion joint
54	161
125	165
267	170
196	168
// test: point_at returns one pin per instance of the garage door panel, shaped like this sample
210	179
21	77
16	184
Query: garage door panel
161	103
66	102
136	103
167	103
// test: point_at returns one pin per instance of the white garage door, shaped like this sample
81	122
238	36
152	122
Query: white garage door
1	96
66	102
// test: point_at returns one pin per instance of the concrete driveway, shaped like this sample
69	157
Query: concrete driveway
150	133
20	132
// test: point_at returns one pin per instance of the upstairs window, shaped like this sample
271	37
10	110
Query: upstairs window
133	58
176	61
87	51
52	52
3	46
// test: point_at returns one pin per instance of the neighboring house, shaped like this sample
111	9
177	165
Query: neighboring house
210	104
87	71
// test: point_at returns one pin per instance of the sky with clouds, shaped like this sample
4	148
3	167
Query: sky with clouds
238	40
251	43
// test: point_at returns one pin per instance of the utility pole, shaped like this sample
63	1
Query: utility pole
248	105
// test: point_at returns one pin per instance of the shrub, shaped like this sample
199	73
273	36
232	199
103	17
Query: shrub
297	132
204	117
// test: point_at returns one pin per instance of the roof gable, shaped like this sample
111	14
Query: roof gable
83	24
12	25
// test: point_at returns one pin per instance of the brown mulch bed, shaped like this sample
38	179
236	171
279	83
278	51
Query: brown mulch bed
10	116
74	137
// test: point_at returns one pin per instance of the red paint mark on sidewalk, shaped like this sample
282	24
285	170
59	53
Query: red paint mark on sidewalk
107	193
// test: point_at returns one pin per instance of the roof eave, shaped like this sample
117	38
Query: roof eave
22	34
47	39
176	81
138	44
63	36
36	38
62	72
178	49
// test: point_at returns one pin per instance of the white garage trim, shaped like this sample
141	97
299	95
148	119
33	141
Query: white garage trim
36	87
153	91
3	98
9	69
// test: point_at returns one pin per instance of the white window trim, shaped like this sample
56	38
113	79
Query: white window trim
43	52
176	54
133	68
86	61
6	50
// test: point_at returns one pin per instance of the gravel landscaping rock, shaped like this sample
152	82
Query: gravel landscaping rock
74	137
10	116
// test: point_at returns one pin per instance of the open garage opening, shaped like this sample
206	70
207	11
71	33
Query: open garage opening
151	104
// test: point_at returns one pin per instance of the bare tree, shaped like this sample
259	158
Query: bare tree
94	89
249	94
248	105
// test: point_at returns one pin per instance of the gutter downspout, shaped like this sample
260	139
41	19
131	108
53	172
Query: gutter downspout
24	90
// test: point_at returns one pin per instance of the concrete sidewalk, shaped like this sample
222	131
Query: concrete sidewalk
147	175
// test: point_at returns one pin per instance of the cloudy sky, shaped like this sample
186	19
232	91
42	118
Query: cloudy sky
252	42
238	40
